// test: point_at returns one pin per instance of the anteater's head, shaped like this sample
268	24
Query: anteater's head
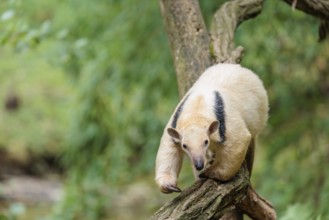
195	141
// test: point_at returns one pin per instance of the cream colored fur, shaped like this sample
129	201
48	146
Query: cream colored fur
245	109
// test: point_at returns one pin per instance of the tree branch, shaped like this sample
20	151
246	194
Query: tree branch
210	199
316	8
256	207
189	40
226	20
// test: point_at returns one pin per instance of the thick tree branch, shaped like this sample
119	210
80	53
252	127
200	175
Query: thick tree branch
225	22
210	199
189	40
316	8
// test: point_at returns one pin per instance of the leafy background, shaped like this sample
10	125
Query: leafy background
97	85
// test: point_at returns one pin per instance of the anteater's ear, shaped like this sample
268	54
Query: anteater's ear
213	127
176	136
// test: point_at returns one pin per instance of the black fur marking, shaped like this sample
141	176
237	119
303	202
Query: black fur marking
220	115
178	112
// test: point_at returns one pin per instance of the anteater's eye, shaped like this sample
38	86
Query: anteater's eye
184	146
206	142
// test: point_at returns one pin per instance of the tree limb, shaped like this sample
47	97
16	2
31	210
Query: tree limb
225	22
189	40
210	199
316	8
256	207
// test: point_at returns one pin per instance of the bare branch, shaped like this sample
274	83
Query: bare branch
210	199
225	22
316	8
323	30
256	207
189	40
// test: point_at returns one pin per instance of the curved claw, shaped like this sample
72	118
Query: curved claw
171	188
174	189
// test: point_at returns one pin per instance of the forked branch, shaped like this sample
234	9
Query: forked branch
226	20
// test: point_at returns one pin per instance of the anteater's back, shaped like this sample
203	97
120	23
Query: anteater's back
242	91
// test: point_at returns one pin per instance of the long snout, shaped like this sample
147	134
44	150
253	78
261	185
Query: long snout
198	163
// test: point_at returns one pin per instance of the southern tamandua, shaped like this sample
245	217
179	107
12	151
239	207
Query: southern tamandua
215	124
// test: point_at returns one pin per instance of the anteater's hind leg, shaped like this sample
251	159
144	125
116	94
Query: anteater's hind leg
250	155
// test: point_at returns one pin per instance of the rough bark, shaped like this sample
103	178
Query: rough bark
189	40
210	199
256	207
316	8
225	22
190	47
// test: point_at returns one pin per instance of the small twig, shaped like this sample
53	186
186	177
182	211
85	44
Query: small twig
316	8
293	5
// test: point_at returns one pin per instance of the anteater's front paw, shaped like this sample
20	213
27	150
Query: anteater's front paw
204	174
170	189
211	174
167	184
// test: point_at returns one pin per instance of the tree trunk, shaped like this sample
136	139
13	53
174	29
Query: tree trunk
189	40
192	52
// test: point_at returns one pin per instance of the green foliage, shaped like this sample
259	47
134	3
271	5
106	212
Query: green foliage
122	73
297	211
17	31
112	67
40	122
14	211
